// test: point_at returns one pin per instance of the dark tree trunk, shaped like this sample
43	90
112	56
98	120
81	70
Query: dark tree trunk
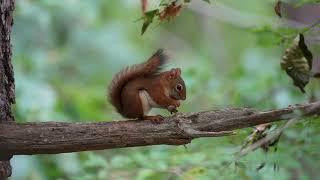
7	92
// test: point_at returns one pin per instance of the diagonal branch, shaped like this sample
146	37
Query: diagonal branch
60	137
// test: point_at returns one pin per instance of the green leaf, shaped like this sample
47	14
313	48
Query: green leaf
208	1
145	25
148	19
152	13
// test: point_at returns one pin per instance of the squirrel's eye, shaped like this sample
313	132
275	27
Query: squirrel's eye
179	87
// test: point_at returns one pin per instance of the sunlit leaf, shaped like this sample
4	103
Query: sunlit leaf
148	19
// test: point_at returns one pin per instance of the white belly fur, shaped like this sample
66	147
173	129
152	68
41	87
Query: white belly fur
146	101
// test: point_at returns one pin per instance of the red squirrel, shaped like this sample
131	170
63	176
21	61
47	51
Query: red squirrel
136	89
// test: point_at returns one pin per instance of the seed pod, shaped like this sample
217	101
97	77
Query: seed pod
297	62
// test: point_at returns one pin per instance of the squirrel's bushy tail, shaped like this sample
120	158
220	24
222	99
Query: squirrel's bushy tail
152	66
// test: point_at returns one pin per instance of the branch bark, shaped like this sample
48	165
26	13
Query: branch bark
7	93
60	137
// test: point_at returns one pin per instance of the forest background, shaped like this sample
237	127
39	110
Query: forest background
66	52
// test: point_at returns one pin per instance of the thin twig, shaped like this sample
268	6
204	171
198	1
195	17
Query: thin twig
270	137
311	27
277	132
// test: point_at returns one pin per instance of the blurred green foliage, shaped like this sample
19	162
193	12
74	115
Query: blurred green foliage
65	53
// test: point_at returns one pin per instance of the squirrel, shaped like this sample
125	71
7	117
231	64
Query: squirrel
136	89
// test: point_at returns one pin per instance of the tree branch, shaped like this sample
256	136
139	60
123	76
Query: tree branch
60	137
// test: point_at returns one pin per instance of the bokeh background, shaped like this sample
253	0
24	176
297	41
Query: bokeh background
66	52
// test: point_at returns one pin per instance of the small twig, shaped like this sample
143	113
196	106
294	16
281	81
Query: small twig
270	137
310	27
315	109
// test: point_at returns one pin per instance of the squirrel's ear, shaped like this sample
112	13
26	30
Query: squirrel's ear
178	70
174	73
171	74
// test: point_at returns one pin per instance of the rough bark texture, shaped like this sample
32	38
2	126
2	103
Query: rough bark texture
54	137
57	137
7	93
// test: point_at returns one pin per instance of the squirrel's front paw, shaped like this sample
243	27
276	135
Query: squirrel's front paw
172	109
176	103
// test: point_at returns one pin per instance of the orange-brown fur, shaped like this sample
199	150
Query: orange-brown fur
126	85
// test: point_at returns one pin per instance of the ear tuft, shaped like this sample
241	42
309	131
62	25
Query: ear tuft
178	71
174	73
